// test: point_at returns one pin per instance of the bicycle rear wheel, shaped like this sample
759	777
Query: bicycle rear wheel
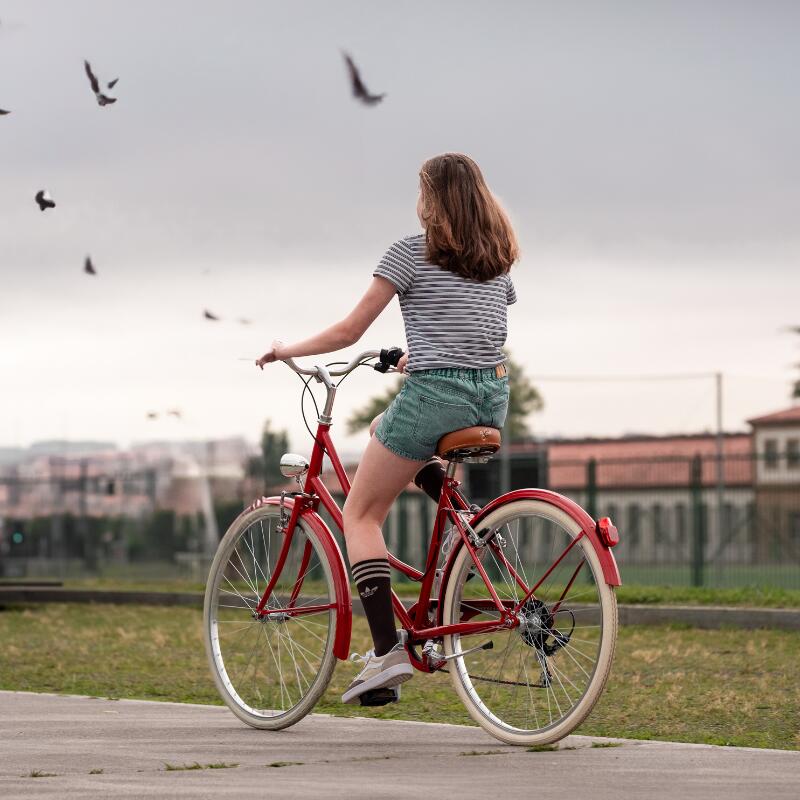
270	671
542	678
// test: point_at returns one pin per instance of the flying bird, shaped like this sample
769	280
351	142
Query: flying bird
88	267
112	84
175	412
3	112
360	91
791	329
43	200
244	321
152	415
102	99
208	315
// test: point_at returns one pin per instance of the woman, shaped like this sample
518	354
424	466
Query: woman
453	286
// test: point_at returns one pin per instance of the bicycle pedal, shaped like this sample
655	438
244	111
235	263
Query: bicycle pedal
380	697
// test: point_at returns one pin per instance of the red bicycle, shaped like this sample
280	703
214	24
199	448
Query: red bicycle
516	599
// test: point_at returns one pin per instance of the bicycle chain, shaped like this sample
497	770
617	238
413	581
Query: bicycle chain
498	680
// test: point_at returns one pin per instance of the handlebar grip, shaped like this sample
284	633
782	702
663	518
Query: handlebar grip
389	358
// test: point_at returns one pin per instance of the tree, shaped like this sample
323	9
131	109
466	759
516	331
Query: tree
362	417
525	400
273	445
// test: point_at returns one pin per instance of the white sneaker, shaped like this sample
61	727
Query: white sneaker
390	669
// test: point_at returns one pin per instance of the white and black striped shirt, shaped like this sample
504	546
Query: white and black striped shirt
451	321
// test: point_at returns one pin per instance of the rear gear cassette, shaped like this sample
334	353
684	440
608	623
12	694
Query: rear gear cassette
537	627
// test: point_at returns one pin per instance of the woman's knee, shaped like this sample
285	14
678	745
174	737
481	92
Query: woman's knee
352	514
348	515
359	510
374	424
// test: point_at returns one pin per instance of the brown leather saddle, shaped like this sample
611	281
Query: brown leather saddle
478	443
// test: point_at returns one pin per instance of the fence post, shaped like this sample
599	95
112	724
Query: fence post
591	488
401	524
541	455
698	520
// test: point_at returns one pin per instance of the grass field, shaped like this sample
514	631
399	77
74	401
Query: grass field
718	687
763	596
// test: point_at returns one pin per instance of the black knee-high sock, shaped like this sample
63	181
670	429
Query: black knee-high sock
430	479
373	581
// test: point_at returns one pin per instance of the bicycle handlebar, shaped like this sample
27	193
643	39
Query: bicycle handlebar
323	374
317	371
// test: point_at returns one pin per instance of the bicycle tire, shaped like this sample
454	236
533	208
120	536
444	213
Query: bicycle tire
240	609
478	701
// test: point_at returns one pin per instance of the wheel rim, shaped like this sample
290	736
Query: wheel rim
267	667
539	673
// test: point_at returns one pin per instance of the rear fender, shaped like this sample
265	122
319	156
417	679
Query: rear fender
344	605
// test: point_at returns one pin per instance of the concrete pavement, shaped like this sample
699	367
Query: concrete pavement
129	745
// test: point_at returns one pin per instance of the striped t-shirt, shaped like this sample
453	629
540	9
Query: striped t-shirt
451	321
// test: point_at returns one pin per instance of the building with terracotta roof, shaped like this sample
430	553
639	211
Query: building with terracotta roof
777	492
672	498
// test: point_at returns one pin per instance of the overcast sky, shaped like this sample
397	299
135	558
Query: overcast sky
646	151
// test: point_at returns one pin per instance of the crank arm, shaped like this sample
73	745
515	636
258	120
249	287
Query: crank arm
485	646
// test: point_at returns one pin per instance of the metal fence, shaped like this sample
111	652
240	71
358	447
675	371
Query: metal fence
682	521
696	520
109	525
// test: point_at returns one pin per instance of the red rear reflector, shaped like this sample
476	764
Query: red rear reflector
607	532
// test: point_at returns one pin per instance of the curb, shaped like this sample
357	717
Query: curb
711	616
708	617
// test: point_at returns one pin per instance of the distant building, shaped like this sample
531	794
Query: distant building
105	482
663	490
777	483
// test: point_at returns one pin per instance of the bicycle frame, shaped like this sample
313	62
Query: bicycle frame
417	621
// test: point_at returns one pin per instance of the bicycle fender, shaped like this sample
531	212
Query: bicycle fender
588	526
344	604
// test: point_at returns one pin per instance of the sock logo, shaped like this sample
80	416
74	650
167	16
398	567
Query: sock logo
369	591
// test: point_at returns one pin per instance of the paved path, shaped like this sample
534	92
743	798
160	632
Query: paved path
133	741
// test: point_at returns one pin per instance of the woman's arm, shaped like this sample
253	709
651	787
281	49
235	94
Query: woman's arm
342	334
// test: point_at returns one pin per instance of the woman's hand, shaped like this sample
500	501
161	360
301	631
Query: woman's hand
401	364
273	354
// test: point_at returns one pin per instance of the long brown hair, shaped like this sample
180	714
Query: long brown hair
467	230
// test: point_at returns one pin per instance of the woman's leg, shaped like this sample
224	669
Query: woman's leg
380	477
430	474
374	424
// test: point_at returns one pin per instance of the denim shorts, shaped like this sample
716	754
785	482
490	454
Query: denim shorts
434	402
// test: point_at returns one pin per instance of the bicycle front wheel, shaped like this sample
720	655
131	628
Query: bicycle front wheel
270	670
540	679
